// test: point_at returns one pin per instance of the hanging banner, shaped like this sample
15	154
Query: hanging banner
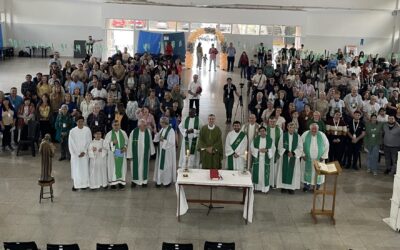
149	42
178	43
1	37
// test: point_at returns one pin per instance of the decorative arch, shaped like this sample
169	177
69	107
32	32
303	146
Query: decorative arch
223	63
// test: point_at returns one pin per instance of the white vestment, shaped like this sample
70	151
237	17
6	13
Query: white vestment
98	164
78	142
141	159
194	159
298	152
168	174
274	164
240	162
251	131
262	186
314	155
108	143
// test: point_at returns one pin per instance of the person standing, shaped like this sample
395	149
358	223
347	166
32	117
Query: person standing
373	141
210	145
165	166
116	142
336	130
391	143
63	126
229	98
315	147
290	148
355	132
190	129
199	54
236	148
274	132
78	144
231	51
262	151
194	91
213	57
97	162
140	148
8	117
243	65
251	130
261	54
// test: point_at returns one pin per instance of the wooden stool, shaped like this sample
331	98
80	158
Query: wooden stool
43	184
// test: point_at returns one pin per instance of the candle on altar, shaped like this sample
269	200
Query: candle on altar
245	155
188	153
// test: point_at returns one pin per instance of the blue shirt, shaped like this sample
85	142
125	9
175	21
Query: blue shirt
172	80
299	104
74	85
16	102
231	51
332	64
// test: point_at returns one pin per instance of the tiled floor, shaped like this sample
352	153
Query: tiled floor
144	218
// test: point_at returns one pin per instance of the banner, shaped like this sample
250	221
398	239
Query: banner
149	42
1	37
178	43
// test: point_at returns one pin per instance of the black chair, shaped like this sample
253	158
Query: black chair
30	138
20	246
176	246
111	246
62	247
219	246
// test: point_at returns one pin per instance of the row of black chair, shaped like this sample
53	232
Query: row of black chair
165	246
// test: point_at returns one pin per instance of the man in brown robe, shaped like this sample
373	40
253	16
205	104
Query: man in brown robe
46	150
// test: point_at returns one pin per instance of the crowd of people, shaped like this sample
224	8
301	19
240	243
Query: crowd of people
108	115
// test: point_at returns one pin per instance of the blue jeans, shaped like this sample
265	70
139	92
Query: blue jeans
373	156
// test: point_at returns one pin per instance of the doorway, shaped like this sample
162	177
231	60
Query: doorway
118	40
206	41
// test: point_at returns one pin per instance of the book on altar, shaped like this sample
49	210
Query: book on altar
327	168
214	174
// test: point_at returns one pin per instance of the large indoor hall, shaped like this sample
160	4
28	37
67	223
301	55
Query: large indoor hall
213	125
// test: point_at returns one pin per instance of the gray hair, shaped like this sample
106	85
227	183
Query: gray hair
142	121
164	120
314	125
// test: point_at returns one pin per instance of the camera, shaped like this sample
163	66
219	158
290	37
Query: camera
241	85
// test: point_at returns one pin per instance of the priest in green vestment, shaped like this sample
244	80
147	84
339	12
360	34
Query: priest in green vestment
263	152
274	132
210	145
290	148
116	142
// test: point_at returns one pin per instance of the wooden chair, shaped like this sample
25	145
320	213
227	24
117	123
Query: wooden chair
219	246
176	246
43	184
20	245
112	246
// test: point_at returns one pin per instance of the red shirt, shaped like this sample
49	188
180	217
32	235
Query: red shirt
169	50
213	53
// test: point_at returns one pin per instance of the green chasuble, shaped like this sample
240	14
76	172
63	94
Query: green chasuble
234	146
194	140
288	163
256	143
135	157
161	150
119	161
210	138
309	161
277	132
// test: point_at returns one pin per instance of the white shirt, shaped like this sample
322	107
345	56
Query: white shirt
193	86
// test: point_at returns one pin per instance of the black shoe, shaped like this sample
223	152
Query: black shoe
305	190
106	187
167	186
74	189
11	148
82	188
113	186
387	171
61	158
133	185
356	168
291	191
144	186
120	186
283	190
158	186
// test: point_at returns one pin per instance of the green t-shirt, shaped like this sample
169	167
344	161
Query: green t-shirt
373	134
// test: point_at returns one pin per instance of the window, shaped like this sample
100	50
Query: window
182	26
195	26
162	26
225	28
118	40
245	29
266	30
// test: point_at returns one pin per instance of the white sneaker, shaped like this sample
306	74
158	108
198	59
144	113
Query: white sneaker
368	170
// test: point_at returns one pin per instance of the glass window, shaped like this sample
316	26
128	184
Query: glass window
162	26
278	30
290	30
245	29
266	30
120	24
225	28
118	40
182	26
195	26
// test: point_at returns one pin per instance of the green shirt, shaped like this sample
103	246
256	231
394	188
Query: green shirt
373	134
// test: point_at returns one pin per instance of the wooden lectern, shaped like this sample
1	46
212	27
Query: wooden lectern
332	169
